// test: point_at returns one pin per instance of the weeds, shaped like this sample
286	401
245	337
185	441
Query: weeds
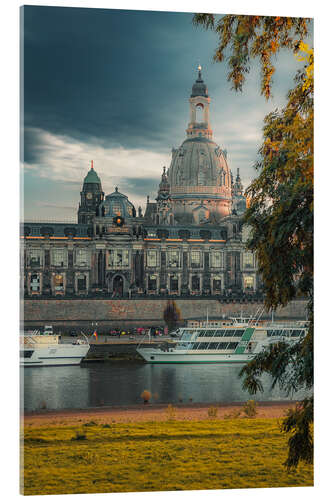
234	414
80	436
250	408
171	412
212	412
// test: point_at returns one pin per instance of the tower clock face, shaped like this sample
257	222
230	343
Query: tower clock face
89	196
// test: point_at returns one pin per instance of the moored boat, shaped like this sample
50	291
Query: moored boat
238	342
46	349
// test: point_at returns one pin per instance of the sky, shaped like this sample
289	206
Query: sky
112	86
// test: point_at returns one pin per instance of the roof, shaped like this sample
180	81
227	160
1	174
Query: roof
91	177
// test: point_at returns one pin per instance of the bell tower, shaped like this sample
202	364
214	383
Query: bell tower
199	126
91	196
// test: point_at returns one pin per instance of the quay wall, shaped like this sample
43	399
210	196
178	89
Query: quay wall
76	314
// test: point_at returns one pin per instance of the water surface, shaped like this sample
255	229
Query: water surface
121	383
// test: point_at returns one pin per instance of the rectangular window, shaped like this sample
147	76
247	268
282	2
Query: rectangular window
152	282
35	257
249	282
195	283
217	284
59	257
173	258
195	259
118	258
216	259
35	283
151	258
248	259
81	257
82	283
174	283
58	282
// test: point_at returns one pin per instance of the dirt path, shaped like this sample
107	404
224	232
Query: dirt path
141	413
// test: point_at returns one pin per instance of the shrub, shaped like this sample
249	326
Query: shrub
146	395
171	412
250	408
233	414
80	436
212	412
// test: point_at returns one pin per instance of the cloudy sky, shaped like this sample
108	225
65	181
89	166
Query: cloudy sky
113	86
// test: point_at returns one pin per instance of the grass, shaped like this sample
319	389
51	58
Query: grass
157	456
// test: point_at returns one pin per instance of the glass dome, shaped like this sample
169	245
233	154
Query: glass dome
115	204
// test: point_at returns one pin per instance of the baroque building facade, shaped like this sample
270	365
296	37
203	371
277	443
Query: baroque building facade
189	241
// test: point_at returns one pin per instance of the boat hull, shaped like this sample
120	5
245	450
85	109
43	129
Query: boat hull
53	355
177	357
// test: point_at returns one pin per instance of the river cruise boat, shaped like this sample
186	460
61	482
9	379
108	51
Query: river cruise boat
238	342
46	349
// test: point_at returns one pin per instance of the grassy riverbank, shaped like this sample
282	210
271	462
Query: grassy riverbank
112	456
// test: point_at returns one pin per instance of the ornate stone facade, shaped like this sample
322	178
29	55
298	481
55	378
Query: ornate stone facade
189	241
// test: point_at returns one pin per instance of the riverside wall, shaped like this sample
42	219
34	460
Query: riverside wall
79	314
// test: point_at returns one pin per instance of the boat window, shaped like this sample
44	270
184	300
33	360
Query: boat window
196	345
223	345
26	354
203	345
229	333
213	345
238	333
202	333
296	333
232	345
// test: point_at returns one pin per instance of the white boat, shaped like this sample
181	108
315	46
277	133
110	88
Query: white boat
237	343
46	349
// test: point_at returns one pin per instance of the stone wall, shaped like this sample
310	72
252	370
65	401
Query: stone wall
81	313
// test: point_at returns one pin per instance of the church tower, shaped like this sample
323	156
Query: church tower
199	125
91	197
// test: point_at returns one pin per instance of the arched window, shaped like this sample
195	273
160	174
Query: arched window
199	113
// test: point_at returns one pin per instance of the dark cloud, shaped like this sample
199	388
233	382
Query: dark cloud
115	75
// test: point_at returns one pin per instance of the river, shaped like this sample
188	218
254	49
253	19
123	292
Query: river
121	383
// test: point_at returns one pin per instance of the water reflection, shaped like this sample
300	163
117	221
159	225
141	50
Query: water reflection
122	383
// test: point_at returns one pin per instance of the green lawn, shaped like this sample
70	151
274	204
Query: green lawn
156	456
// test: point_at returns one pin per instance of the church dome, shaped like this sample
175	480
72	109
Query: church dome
198	162
199	174
115	204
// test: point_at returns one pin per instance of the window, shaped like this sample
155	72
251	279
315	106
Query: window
216	259
116	208
152	282
59	257
26	354
58	283
35	257
152	258
195	283
248	282
173	258
118	258
81	257
217	284
174	283
81	283
232	345
195	259
248	259
35	283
